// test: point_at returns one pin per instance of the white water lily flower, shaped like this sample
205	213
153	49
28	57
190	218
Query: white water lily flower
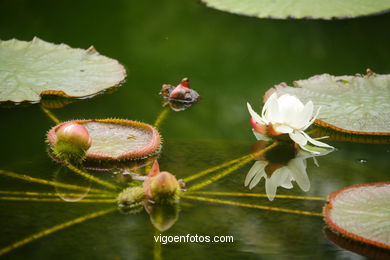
294	170
286	115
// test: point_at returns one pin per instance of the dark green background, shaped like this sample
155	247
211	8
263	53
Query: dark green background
230	60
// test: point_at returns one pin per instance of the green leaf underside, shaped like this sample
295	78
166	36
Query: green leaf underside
316	9
29	68
353	103
364	211
115	139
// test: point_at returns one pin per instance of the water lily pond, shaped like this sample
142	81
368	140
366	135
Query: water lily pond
48	211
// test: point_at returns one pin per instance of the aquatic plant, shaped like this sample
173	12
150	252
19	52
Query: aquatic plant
115	139
357	105
283	115
70	142
179	97
361	213
280	167
300	9
31	70
161	187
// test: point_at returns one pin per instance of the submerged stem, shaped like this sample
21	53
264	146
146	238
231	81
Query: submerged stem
256	195
90	177
57	200
230	169
51	183
53	194
53	229
248	205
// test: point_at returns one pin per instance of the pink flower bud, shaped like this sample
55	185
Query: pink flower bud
182	91
75	133
71	141
161	186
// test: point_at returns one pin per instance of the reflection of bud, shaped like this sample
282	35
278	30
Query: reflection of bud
163	217
64	175
161	187
71	141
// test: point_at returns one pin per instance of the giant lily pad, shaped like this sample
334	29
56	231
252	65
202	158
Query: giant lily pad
314	9
361	213
117	139
352	104
29	70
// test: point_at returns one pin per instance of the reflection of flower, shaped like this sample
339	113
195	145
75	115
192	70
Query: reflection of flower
279	168
286	115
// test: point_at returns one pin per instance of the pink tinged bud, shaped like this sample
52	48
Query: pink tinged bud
71	141
182	91
260	128
164	184
74	133
161	186
155	169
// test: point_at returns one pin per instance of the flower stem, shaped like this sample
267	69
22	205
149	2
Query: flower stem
161	117
50	115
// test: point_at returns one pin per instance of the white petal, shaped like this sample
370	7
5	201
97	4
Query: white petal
304	116
298	172
256	179
284	178
272	113
290	108
312	120
283	129
270	100
256	168
254	115
270	189
298	137
315	142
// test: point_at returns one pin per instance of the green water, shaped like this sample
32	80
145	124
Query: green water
230	60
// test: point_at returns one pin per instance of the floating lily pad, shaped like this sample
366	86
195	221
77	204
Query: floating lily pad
352	104
361	213
29	70
298	9
357	247
117	139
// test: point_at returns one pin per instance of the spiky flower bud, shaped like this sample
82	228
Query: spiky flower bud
71	142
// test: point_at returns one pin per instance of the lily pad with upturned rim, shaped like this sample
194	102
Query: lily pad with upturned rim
352	104
361	213
117	139
30	70
299	9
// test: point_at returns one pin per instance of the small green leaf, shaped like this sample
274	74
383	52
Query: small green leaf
298	9
29	70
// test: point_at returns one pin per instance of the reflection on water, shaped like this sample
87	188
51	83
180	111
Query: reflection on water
280	167
64	175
